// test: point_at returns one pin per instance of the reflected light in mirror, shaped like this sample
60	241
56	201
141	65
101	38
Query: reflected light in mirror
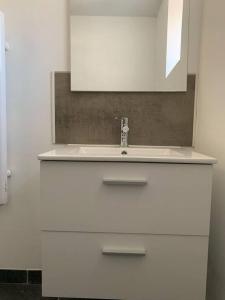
174	34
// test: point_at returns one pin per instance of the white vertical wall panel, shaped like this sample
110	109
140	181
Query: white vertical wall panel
3	129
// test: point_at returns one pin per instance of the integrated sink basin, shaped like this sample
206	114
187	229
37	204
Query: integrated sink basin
132	154
129	151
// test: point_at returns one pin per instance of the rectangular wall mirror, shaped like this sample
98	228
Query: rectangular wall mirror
129	45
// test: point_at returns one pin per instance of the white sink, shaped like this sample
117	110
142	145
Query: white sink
132	154
130	151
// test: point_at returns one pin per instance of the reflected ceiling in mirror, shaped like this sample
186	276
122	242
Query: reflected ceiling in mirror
119	8
129	45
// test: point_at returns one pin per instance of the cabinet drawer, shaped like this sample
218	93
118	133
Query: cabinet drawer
120	266
126	197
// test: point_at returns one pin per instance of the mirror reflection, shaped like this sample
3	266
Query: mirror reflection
129	45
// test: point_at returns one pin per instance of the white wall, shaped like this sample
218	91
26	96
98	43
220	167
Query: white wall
3	115
37	33
195	27
210	134
112	53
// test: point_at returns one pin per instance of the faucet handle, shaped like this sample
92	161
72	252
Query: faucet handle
125	129
124	132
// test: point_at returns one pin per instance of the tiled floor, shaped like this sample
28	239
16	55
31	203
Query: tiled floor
20	292
23	292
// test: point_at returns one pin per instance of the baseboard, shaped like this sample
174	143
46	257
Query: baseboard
21	276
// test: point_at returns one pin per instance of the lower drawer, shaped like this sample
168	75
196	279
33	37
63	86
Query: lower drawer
120	266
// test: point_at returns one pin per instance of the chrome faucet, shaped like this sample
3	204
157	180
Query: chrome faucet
124	132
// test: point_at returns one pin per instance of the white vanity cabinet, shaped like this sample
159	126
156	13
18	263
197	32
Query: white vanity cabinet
125	230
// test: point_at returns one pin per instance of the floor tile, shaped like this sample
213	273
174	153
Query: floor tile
13	276
34	277
20	292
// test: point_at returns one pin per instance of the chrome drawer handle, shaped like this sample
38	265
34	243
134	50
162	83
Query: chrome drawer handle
124	251
121	181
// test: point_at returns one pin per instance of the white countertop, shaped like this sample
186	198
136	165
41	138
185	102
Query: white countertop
130	154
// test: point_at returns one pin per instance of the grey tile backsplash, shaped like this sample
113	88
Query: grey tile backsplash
155	118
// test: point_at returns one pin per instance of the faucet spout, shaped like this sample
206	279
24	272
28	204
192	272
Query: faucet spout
124	132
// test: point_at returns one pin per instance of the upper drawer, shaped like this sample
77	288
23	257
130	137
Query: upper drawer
126	197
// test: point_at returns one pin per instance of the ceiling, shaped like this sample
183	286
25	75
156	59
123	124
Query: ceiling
137	8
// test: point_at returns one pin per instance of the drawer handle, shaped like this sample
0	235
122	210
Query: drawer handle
120	181
123	251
